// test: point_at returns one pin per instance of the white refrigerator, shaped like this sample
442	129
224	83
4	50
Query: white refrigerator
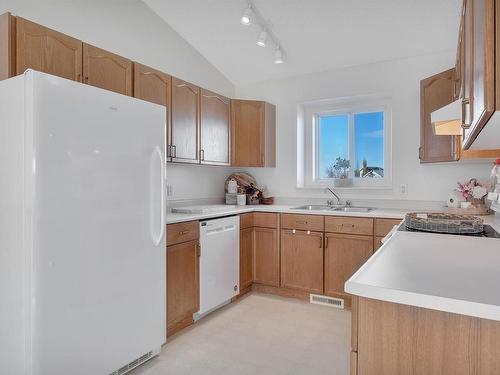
82	228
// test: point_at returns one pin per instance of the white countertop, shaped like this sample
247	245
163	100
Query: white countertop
236	210
457	274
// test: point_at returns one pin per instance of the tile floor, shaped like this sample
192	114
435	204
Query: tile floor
260	335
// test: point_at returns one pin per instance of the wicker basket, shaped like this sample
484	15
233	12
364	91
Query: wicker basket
439	222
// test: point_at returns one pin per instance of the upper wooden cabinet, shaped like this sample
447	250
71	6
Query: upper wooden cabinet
478	43
214	129
253	125
106	70
7	46
185	122
436	92
302	260
46	50
203	127
155	87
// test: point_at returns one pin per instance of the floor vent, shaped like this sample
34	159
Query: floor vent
133	364
326	301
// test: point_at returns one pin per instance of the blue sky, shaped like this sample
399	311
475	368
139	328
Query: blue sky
368	136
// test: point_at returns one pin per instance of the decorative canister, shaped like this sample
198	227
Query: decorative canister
232	187
241	199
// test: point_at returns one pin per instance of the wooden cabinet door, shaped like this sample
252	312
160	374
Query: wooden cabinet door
377	242
183	294
266	257
7	46
155	87
479	96
436	92
106	70
46	50
302	260
246	258
185	121
344	254
214	128
247	122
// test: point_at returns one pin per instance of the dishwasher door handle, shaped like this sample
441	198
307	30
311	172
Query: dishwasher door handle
220	230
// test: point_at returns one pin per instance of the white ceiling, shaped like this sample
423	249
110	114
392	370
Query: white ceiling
317	35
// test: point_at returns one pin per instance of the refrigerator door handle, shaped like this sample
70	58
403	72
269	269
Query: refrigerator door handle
157	236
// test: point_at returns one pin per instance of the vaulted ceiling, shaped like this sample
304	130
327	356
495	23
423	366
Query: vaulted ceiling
316	35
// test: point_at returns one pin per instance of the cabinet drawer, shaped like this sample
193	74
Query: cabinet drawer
265	220
384	226
351	225
303	222
182	232
246	220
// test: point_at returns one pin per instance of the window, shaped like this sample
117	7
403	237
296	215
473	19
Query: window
350	138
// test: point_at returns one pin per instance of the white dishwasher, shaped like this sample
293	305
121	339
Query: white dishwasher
219	262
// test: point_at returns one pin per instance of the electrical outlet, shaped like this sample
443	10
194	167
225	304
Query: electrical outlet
170	190
403	189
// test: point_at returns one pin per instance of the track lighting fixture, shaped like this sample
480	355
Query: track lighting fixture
252	16
261	42
278	56
246	18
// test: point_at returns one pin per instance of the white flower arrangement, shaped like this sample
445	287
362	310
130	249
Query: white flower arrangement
479	192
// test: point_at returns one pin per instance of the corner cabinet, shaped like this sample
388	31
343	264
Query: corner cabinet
344	254
253	126
436	92
46	50
266	251
246	252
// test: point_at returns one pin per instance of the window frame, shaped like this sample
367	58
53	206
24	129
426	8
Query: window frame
309	166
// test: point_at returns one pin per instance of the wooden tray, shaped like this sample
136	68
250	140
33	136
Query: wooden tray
475	211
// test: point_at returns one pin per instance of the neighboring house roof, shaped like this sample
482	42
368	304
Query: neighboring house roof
372	172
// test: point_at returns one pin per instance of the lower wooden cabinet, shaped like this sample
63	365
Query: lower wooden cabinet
395	339
344	254
377	242
183	287
381	228
246	258
266	256
302	260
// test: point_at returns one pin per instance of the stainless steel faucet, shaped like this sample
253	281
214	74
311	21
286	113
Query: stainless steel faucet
330	202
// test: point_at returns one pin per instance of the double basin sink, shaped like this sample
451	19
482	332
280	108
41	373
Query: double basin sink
341	208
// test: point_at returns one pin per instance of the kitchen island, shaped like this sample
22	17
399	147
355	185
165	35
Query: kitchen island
427	304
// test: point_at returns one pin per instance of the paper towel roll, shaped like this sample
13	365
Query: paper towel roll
454	200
